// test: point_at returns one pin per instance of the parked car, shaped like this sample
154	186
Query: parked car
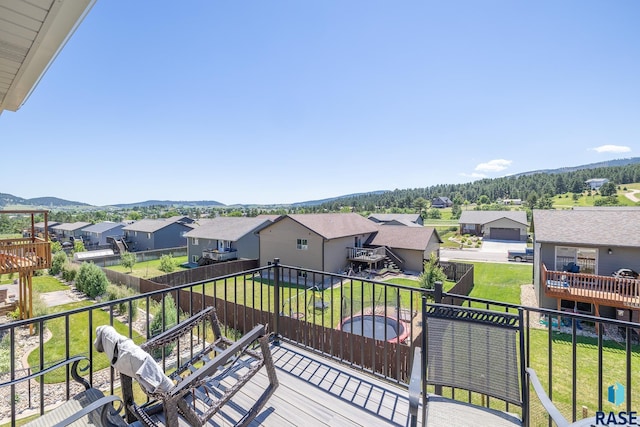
519	256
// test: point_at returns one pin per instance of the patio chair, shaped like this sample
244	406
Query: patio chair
203	380
479	351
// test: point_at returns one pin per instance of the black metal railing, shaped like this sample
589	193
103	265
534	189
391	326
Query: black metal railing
336	316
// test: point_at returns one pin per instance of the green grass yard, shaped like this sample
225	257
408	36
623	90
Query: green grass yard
44	284
78	338
147	269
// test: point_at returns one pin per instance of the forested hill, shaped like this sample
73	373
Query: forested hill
523	187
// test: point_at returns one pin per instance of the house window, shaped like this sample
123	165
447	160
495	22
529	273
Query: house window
194	241
194	258
302	244
149	236
584	258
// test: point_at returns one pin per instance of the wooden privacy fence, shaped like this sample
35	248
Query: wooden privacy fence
390	359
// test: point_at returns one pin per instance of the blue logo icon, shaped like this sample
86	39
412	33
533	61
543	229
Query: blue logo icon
616	394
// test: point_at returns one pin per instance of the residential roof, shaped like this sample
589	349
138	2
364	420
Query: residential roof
227	228
49	224
484	217
151	225
33	33
179	218
71	226
103	226
400	219
271	217
399	236
597	227
335	225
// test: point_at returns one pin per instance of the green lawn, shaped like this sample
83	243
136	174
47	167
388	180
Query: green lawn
79	341
149	269
43	284
500	281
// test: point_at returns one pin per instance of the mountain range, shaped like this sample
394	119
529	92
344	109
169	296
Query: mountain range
9	200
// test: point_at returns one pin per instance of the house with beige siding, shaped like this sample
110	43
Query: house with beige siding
495	225
335	242
411	245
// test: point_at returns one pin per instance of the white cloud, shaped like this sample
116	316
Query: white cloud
496	165
612	149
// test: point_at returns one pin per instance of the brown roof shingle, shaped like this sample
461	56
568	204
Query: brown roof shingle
335	225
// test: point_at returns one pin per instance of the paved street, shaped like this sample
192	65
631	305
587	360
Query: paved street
491	251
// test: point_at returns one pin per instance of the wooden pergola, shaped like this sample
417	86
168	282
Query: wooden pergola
24	256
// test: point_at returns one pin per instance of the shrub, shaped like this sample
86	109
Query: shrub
91	280
69	273
116	292
56	247
128	260
432	273
167	264
58	261
169	319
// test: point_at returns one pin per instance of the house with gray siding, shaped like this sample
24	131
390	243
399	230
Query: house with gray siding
68	231
39	227
410	220
225	238
149	234
96	234
495	225
576	253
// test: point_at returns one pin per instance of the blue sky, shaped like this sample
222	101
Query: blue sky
287	101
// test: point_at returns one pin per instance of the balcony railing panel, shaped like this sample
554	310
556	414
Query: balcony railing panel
308	308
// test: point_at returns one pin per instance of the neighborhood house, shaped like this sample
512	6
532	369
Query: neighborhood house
495	225
577	255
225	238
340	242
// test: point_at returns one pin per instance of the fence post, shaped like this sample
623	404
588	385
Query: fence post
437	294
276	300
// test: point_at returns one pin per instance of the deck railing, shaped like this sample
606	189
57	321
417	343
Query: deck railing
576	363
24	254
621	291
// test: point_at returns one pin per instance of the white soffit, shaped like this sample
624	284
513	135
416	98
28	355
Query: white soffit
31	35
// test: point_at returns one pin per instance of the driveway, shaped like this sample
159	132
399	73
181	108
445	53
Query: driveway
502	246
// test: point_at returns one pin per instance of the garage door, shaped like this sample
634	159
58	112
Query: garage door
505	234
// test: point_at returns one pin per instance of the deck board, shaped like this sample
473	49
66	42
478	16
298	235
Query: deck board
315	391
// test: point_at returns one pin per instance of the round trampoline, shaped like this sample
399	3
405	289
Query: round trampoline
369	325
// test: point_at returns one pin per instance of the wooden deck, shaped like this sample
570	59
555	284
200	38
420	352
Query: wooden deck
315	391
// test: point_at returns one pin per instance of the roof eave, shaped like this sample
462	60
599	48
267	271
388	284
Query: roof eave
60	23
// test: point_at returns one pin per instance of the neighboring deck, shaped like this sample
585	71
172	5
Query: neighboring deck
315	391
22	255
591	288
